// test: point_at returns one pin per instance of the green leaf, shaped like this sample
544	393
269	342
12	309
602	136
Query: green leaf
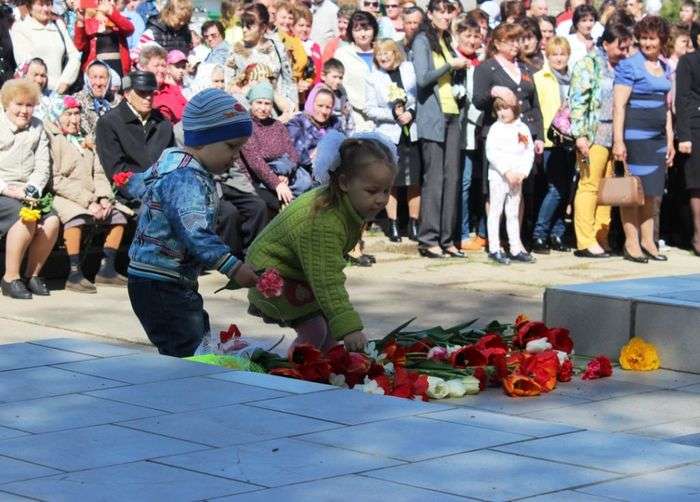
400	328
232	285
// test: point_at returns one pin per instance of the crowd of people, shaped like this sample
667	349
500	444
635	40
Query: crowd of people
499	113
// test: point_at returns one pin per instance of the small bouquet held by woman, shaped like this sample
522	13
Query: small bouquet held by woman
398	99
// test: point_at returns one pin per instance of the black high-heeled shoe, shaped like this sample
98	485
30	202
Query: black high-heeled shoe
413	229
393	232
655	257
635	259
427	253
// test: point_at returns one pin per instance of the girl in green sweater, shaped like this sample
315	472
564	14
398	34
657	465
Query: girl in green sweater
307	242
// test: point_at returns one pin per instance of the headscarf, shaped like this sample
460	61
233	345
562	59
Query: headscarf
309	104
99	105
57	106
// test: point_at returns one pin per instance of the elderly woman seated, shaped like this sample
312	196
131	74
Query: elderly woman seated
83	194
25	168
97	97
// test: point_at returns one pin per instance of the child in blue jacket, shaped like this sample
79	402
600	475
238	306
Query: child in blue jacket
175	238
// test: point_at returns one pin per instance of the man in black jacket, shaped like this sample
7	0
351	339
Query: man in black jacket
131	136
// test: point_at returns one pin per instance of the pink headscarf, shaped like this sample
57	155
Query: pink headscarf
309	104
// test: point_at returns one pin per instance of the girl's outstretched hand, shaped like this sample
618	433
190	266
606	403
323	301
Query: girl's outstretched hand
355	342
246	276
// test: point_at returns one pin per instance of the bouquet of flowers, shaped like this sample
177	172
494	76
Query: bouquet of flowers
525	359
398	100
33	207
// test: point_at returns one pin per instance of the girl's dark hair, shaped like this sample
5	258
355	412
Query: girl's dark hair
550	19
356	155
612	32
582	12
694	34
653	25
255	13
467	23
362	18
432	34
530	25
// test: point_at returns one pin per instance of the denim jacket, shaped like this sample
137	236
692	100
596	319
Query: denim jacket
175	238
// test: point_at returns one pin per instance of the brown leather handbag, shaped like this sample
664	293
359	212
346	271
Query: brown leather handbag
621	191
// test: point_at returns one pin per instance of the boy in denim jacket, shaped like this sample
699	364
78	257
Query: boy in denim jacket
175	239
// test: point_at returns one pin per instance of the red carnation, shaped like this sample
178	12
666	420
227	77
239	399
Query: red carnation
122	178
270	284
600	367
566	371
560	339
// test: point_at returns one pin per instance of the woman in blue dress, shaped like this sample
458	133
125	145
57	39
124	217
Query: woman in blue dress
643	132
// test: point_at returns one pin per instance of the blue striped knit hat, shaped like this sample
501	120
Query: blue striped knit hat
212	116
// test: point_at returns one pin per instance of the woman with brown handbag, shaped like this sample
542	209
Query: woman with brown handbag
643	132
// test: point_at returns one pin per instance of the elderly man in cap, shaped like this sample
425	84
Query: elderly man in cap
131	136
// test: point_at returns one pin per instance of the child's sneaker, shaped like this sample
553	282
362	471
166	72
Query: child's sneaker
499	257
523	257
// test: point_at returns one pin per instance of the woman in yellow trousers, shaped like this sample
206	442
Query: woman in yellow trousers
590	101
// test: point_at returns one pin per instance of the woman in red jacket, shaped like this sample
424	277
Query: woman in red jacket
101	33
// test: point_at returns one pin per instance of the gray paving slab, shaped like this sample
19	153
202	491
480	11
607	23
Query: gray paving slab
603	388
348	407
142	368
187	394
134	481
24	355
45	381
627	412
620	453
569	496
88	347
68	412
499	422
412	438
669	430
690	440
283	384
343	489
496	401
665	379
92	447
245	424
11	497
681	484
691	388
491	475
278	462
7	433
15	470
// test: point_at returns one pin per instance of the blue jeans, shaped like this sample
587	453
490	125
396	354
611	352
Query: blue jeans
559	169
172	315
471	163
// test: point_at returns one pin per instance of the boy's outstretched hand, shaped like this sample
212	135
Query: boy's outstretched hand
355	342
246	276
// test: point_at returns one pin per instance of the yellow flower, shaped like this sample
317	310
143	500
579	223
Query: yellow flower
639	355
29	215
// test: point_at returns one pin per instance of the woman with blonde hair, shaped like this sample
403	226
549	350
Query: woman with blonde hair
552	85
393	76
25	169
170	28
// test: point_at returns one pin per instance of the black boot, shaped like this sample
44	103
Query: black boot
393	232
15	289
413	229
557	244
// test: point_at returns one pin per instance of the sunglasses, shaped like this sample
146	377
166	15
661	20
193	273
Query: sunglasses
391	6
371	4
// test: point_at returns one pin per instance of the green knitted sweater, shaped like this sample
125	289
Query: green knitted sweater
311	247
